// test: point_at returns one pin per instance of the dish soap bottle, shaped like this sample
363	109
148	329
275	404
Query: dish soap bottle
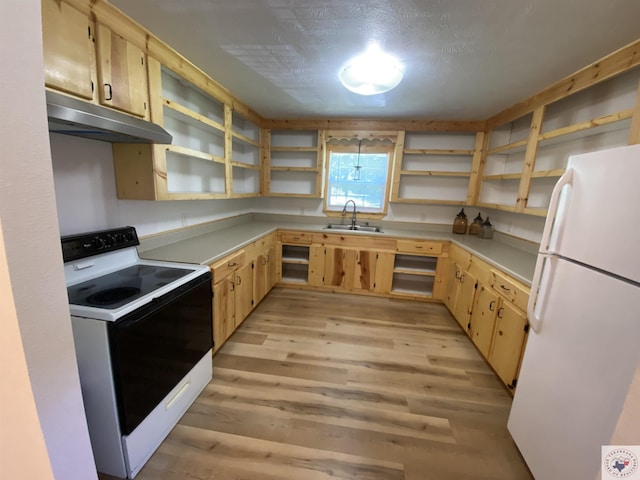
460	223
475	225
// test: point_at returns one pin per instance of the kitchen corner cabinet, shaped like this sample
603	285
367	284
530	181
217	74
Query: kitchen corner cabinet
215	152
293	163
460	285
416	269
265	267
525	157
294	257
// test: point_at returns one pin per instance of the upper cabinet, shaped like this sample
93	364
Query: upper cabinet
68	49
76	52
293	163
435	167
223	149
215	151
122	73
525	157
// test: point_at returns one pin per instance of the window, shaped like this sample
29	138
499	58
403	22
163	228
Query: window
360	174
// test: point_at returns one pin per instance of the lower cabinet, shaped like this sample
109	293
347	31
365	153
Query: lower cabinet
265	269
350	269
240	281
483	318
509	338
490	307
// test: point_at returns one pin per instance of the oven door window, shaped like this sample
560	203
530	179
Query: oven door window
154	347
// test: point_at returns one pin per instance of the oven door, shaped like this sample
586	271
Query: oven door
154	347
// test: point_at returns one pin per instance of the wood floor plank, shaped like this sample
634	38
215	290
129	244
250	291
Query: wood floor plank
250	338
210	450
319	386
279	403
257	382
282	368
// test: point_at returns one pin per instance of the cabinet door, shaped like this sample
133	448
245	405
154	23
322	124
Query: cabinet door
383	272
453	273
317	255
364	270
122	73
243	293
339	265
260	277
464	299
223	310
272	267
68	49
508	342
483	318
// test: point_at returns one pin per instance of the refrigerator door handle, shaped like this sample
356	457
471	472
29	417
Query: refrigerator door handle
538	293
565	179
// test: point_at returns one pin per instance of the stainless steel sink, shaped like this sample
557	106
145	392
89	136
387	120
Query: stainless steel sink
357	227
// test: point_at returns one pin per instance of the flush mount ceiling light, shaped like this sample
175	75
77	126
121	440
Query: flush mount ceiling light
371	73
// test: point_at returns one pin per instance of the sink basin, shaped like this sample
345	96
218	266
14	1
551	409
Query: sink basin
359	228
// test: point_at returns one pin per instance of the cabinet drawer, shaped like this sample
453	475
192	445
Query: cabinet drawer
420	246
224	267
510	289
296	238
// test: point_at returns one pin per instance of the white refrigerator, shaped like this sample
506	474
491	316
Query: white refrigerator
584	310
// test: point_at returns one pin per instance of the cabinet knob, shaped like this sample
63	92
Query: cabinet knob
500	310
500	332
492	305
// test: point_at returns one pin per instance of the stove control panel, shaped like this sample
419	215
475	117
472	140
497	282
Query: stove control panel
88	244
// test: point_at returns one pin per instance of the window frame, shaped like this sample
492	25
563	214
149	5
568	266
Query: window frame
364	149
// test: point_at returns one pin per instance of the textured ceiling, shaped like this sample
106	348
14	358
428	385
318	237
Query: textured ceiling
464	59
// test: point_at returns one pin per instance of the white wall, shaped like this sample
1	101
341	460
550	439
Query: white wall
34	261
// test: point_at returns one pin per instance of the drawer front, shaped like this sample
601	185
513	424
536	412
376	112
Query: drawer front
420	246
510	289
296	238
224	267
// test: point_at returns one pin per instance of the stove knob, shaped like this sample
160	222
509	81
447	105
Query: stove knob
129	236
110	240
98	242
120	238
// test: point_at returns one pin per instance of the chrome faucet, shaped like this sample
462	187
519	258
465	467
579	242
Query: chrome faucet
353	213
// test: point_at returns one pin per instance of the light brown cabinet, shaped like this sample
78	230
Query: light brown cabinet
265	269
230	295
68	49
483	318
490	306
240	281
76	53
122	73
294	255
350	269
509	338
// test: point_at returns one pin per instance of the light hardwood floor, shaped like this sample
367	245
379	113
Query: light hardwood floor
330	386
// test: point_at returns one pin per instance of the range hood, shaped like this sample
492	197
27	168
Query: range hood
71	116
